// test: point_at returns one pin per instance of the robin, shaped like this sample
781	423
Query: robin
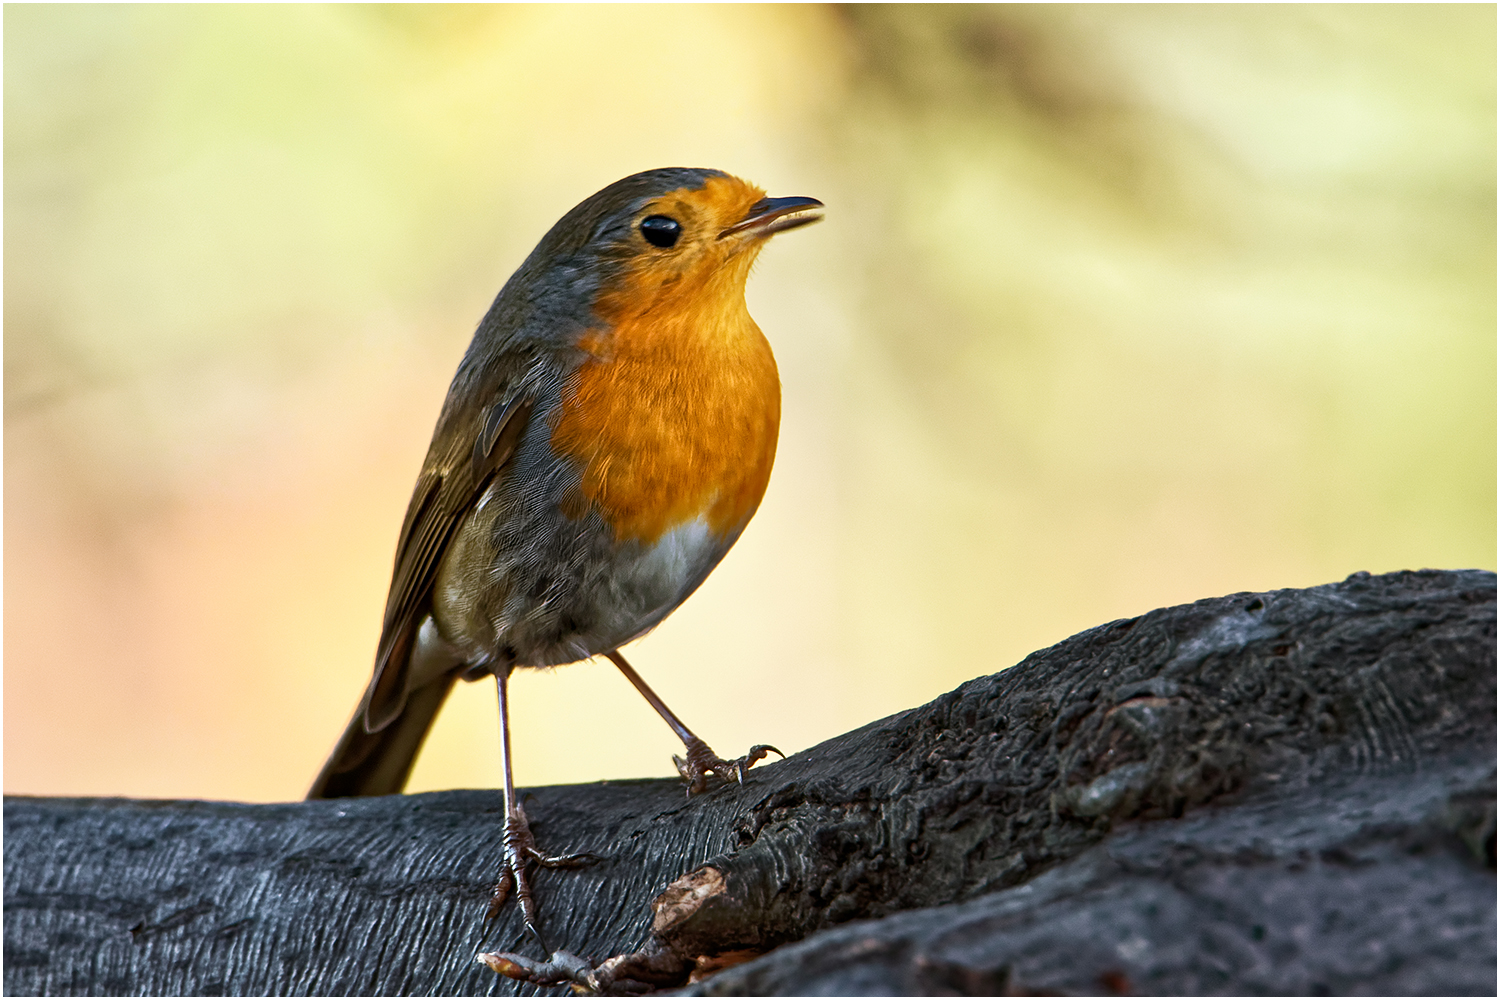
608	435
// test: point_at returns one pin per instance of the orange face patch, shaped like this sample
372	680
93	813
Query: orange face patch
675	414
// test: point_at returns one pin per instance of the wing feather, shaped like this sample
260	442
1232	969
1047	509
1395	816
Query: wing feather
447	490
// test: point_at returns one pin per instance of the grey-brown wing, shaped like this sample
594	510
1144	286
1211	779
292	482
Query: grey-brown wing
448	488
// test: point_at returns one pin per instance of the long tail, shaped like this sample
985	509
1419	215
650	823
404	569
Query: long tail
379	763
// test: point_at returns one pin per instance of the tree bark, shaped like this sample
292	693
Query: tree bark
1281	792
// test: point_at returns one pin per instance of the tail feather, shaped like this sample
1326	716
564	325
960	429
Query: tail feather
379	763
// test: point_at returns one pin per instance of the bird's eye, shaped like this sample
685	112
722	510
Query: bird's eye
660	230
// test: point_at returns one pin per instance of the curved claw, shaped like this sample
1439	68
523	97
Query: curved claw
536	935
701	762
757	753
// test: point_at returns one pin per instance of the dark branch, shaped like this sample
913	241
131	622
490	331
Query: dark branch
1186	797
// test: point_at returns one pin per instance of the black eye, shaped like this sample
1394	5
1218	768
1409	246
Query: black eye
660	230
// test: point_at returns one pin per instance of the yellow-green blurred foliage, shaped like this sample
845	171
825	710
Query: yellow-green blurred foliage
1114	307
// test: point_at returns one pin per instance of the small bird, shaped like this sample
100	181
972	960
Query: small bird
608	435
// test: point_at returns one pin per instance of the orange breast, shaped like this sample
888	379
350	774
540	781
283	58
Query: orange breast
675	413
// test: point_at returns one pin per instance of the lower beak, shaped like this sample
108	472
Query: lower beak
776	215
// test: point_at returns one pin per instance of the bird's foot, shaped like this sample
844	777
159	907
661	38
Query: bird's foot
521	852
701	762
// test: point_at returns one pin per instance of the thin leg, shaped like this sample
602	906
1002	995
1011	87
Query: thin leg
520	845
701	761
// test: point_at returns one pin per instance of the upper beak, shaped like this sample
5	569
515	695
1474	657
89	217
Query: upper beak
776	215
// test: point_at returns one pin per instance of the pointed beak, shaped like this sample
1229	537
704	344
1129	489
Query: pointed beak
776	215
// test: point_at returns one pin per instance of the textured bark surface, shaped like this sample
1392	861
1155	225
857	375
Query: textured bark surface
1371	886
1301	762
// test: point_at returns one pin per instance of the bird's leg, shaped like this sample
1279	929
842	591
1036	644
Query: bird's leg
700	761
520	845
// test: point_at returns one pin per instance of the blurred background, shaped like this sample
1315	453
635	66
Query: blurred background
1114	307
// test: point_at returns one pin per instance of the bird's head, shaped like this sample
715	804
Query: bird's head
662	236
664	252
694	243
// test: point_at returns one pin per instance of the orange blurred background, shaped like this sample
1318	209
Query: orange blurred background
1114	307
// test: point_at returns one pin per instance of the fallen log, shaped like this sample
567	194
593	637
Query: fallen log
1221	797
